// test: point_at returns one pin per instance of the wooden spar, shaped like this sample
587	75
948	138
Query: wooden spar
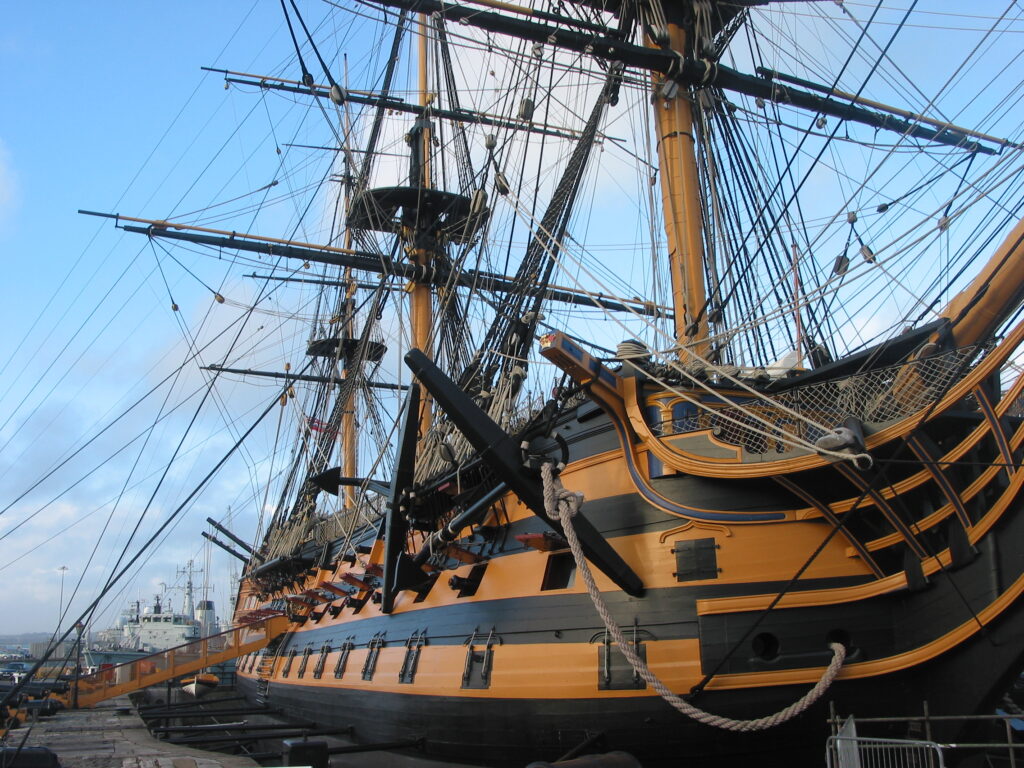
942	125
301	377
673	115
536	13
370	262
267	82
977	311
421	297
685	70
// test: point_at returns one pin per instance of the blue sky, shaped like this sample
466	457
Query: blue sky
89	91
106	109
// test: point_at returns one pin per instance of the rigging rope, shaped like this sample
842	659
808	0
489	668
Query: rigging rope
770	430
562	505
307	78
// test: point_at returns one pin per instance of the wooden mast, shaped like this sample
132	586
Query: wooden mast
673	115
421	300
348	415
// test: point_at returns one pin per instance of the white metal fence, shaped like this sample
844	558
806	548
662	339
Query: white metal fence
863	752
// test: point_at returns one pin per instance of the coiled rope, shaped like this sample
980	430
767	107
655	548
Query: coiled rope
562	505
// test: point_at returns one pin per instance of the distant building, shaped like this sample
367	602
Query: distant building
64	650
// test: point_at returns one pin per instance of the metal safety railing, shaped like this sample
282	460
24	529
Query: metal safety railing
865	752
997	736
176	662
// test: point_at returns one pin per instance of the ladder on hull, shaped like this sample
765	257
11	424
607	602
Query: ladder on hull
266	669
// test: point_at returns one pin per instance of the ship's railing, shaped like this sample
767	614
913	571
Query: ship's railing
878	398
865	752
178	661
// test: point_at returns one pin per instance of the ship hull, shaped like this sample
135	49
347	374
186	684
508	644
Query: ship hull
910	635
512	732
915	565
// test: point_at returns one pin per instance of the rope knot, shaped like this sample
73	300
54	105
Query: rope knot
559	503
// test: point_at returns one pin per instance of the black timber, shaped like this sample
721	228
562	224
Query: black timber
501	452
687	71
397	567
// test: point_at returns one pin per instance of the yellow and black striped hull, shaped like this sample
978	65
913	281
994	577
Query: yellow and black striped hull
915	565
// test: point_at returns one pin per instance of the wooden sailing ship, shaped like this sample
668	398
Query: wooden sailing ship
749	524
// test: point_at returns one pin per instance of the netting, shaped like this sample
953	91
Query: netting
877	398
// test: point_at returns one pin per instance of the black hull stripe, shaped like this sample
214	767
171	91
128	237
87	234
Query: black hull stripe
668	613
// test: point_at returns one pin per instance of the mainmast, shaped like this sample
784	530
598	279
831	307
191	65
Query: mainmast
348	413
421	301
680	196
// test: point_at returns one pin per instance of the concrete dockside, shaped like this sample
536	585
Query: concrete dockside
112	735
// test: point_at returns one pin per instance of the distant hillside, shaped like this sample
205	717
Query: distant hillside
24	639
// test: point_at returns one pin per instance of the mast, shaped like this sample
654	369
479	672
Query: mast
187	572
348	412
673	118
421	300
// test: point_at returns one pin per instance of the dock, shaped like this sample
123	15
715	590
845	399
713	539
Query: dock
112	735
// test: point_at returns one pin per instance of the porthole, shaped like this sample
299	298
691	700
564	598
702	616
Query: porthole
840	636
766	646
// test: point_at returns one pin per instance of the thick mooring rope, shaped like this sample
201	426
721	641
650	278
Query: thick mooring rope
562	505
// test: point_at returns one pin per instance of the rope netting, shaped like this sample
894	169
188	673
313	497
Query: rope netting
876	397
